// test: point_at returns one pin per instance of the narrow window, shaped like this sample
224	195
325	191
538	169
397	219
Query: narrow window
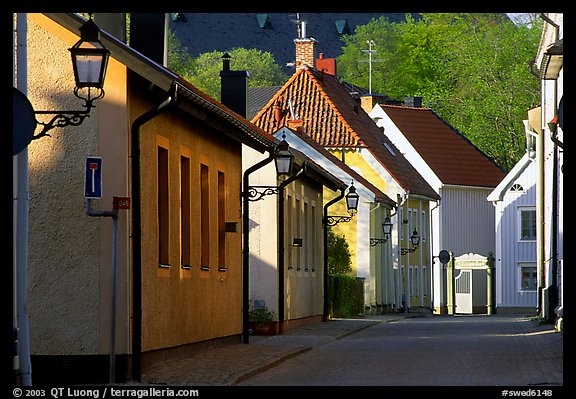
221	221
423	226
185	212
163	214
204	218
527	224
424	280
297	233
306	239
528	278
288	233
313	239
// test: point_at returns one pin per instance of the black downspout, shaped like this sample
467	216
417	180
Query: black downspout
281	248
137	233
326	311
246	245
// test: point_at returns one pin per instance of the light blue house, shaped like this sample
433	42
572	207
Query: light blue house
516	274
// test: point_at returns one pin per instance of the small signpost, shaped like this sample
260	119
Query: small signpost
93	190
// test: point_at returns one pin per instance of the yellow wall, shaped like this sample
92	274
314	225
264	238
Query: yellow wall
418	258
185	306
349	229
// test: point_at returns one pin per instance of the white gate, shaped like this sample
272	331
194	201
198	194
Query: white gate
463	291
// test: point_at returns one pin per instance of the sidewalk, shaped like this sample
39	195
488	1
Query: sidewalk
230	364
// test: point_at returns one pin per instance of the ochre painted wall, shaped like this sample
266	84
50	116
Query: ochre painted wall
185	306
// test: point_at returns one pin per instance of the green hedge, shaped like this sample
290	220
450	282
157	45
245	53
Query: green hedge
345	296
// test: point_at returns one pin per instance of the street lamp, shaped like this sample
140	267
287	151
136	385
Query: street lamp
89	61
351	204
352	199
414	240
284	158
386	231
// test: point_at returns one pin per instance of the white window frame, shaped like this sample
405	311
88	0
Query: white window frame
423	231
519	211
522	265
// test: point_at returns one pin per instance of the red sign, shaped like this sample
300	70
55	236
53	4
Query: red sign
121	202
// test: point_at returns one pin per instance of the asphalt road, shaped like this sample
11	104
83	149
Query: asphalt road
497	351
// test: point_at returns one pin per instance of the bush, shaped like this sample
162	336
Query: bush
339	258
345	296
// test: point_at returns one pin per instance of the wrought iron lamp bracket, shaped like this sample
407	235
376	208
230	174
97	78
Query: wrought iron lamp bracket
334	220
68	118
256	193
405	251
377	241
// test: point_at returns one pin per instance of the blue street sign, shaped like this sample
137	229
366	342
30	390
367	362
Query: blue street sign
93	179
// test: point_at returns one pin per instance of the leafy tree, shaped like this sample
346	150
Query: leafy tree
471	69
339	258
204	70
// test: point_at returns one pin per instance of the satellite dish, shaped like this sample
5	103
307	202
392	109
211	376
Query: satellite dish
23	121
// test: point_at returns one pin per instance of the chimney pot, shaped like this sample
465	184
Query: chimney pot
226	62
414	101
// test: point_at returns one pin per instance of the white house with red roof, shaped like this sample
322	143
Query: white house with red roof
463	176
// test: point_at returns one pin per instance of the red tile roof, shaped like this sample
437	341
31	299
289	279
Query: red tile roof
334	119
452	157
379	195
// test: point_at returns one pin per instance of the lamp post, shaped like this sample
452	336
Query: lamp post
352	204
89	61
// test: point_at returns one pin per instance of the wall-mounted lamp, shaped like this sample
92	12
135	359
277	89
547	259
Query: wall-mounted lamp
352	199
89	61
297	242
386	231
284	158
414	240
351	203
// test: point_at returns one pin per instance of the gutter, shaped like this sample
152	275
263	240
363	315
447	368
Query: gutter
137	231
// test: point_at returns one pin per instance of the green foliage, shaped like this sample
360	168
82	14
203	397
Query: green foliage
261	315
339	258
345	296
204	71
471	69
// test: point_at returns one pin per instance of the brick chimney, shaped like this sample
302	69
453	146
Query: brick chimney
234	88
368	101
305	51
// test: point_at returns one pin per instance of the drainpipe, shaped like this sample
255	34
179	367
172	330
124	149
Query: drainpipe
281	246
246	244
21	218
325	315
137	232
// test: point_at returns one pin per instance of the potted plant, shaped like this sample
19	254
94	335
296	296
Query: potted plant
262	321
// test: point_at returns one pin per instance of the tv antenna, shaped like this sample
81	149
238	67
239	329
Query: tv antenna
370	43
300	26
